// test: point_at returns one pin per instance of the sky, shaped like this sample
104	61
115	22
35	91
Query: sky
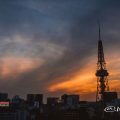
50	46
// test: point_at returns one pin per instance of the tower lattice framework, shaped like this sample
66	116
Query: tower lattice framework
101	73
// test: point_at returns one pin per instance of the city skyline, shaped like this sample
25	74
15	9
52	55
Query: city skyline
50	47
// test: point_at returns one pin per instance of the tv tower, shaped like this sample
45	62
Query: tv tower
101	73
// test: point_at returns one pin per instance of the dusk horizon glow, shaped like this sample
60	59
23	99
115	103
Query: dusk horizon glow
50	47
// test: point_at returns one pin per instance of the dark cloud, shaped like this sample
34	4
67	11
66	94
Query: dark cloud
62	33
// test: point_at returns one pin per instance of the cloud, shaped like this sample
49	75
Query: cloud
63	34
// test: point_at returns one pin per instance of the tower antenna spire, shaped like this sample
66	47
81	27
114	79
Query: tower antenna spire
99	24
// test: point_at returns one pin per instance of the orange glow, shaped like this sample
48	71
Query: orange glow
14	66
81	82
78	82
84	82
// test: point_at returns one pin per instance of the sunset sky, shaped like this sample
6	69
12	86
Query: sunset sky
50	46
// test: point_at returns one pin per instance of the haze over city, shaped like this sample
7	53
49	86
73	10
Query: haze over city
50	46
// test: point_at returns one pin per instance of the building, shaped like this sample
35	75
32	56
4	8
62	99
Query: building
39	98
35	100
12	114
70	100
109	96
3	97
52	101
76	114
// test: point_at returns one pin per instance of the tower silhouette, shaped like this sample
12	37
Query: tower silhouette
101	73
